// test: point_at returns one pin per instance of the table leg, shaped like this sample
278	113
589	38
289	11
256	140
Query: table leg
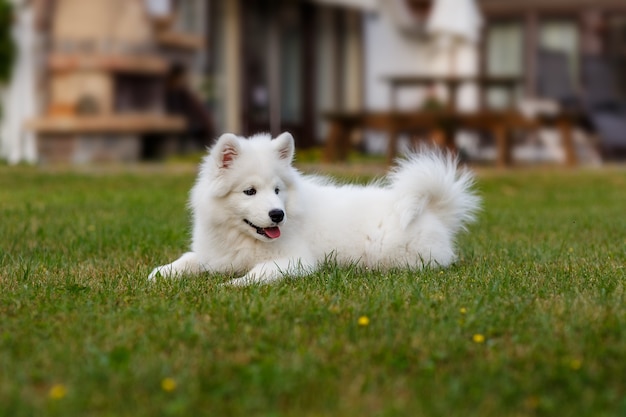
439	137
450	137
337	135
345	144
565	129
503	145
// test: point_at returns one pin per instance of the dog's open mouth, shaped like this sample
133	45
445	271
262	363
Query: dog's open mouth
268	232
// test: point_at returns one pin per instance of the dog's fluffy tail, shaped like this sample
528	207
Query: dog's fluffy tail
432	178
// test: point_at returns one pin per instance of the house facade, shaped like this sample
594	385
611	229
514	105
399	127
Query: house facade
275	65
278	65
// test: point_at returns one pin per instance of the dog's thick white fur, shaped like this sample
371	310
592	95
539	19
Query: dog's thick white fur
256	215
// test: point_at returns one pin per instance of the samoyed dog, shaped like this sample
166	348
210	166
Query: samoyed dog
256	216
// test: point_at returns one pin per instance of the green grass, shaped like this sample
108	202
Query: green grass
82	333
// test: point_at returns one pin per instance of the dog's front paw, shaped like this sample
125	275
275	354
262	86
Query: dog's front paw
163	271
185	265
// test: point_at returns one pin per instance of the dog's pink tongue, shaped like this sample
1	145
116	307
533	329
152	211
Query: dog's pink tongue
272	232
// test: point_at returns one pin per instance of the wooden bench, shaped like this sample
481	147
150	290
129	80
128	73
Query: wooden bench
442	125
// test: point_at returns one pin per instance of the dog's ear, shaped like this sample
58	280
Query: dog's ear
226	150
285	147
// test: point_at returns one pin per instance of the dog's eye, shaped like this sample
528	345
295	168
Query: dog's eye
276	190
250	191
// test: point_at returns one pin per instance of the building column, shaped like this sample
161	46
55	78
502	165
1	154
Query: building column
232	66
353	64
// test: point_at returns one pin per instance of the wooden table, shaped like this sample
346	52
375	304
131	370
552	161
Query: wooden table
447	121
499	123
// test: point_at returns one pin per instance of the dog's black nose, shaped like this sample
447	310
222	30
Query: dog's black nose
277	215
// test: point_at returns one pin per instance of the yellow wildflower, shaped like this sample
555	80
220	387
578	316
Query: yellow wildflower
478	338
364	321
463	310
57	391
168	384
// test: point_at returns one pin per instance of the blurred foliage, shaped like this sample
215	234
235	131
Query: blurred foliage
7	48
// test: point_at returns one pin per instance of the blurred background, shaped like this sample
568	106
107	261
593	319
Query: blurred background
86	81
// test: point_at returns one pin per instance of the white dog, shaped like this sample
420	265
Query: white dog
254	214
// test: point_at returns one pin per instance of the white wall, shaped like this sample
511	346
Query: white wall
390	52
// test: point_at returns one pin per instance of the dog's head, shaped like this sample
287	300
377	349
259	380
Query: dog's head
249	179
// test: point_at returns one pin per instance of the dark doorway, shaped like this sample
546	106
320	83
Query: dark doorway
278	76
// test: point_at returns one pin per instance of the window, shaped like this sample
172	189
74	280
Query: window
505	57
562	36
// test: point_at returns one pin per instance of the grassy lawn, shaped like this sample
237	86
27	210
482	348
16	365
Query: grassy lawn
530	321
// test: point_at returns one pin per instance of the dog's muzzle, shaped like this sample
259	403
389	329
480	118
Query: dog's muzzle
268	232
